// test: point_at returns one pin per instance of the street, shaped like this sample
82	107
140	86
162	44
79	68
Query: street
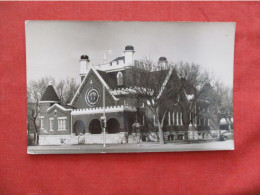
126	148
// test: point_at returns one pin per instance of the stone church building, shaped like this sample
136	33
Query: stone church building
109	84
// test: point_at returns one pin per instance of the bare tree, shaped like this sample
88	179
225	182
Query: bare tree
159	90
198	85
35	90
66	90
208	90
185	86
224	103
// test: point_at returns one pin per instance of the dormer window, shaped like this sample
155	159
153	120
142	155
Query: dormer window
119	78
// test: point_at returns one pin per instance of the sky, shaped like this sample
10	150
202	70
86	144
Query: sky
53	48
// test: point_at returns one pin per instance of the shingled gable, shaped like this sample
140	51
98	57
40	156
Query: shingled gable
84	81
50	95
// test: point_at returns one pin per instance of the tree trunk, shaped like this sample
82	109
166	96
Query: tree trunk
36	132
160	134
160	127
228	121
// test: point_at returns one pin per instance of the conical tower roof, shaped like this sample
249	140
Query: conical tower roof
50	94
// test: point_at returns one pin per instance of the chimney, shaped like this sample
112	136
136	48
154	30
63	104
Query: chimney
84	65
129	55
163	63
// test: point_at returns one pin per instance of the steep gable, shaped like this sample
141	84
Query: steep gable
90	92
50	95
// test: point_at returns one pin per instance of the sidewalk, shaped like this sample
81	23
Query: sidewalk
126	148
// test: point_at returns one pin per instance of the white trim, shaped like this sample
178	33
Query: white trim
83	83
62	117
103	82
109	109
164	83
59	106
173	119
42	122
62	123
51	122
119	78
49	101
181	118
177	118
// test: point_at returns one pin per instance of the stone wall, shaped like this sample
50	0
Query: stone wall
117	138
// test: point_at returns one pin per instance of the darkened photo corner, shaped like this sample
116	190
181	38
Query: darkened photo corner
115	87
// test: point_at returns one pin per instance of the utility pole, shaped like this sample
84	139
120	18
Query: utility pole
103	119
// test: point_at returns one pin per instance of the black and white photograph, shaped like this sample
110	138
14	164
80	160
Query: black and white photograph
122	87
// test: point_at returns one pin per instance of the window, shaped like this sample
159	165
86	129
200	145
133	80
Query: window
173	118
119	78
42	122
126	103
169	118
141	104
177	118
62	123
181	118
51	124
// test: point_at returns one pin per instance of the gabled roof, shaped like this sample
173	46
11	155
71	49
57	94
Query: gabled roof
188	86
161	74
64	108
84	81
50	95
118	58
169	73
110	81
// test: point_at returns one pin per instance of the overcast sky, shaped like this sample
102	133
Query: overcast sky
54	47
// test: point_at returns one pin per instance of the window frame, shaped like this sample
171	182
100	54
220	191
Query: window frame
41	122
120	78
51	124
62	123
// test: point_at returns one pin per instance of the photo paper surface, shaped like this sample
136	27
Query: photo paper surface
119	87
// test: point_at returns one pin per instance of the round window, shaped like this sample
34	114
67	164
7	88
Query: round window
92	96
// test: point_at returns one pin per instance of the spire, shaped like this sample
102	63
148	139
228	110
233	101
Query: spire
50	95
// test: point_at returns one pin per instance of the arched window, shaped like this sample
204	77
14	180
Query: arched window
119	78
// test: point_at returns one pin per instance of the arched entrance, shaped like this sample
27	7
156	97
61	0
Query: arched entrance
79	127
113	126
180	137
95	127
171	137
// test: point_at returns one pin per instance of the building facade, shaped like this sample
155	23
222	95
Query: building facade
105	88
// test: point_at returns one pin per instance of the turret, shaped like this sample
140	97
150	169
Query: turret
48	98
129	55
84	66
163	63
